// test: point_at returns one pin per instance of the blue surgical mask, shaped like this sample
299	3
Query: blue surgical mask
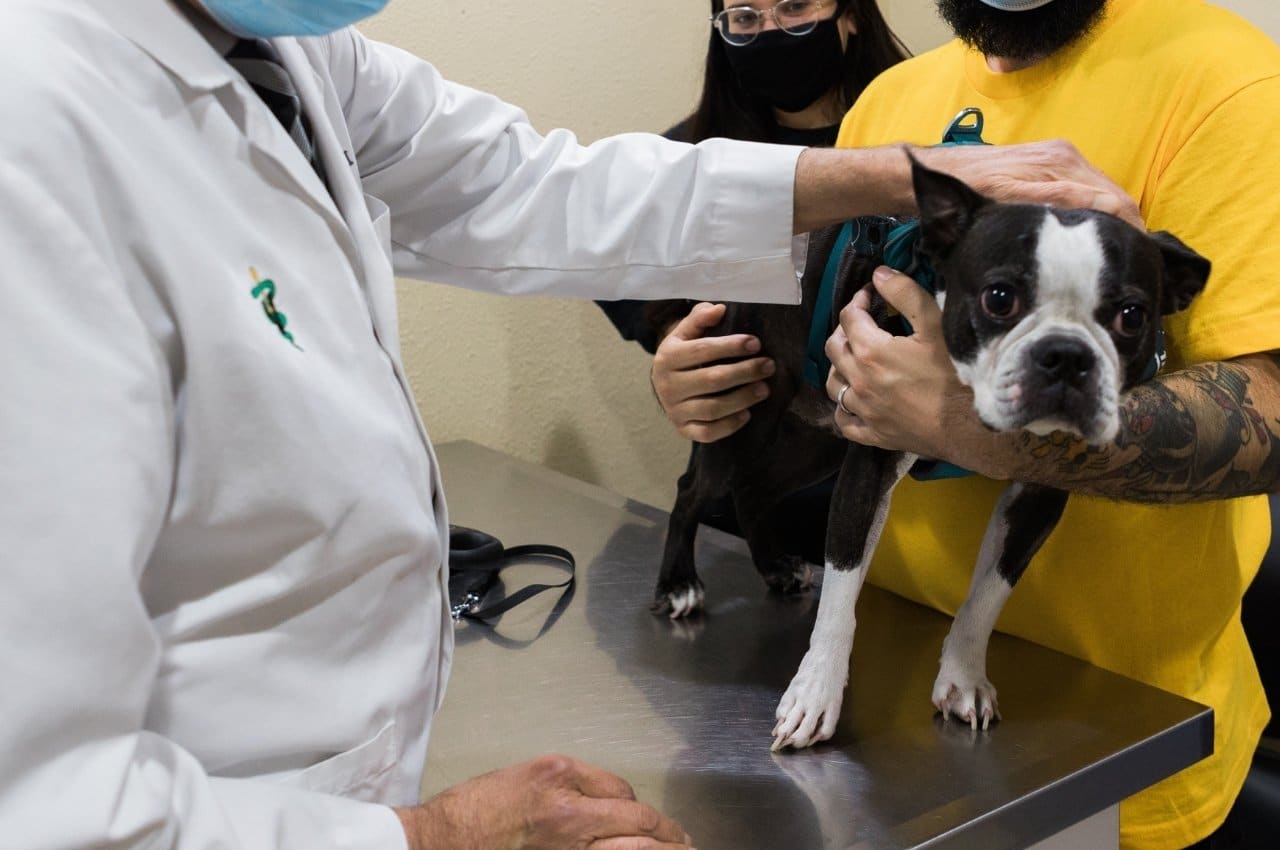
271	18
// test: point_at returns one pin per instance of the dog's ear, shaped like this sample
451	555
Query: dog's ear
947	207
1185	272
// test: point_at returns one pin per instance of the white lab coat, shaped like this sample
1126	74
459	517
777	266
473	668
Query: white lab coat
223	619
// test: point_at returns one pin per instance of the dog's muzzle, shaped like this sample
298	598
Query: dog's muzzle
1061	385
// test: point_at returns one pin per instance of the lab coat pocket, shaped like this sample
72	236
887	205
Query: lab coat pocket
362	773
380	217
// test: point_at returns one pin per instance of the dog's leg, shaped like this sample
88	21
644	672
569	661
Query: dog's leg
810	708
1021	522
679	591
757	497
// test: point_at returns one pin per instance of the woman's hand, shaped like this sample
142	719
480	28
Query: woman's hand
706	398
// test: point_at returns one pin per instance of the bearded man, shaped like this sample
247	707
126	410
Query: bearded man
1178	102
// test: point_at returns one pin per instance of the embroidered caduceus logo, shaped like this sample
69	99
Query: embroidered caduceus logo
265	292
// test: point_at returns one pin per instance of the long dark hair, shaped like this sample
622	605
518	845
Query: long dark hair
727	111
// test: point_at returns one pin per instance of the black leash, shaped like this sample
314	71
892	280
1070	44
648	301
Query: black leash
475	561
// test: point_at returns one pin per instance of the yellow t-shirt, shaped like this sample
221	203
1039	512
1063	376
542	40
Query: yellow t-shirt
1178	102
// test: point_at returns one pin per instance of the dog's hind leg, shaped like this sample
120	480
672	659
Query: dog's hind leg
810	708
679	592
809	459
1021	522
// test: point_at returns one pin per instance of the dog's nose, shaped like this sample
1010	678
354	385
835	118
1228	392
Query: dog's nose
1061	359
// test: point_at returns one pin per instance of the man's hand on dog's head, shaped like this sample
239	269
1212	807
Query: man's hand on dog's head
1052	172
833	185
706	385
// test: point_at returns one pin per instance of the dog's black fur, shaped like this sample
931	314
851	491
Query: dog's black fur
788	444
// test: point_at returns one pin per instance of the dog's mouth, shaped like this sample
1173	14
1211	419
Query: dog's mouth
1085	409
1050	380
1062	408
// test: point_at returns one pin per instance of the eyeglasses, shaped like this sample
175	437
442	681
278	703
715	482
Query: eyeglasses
739	25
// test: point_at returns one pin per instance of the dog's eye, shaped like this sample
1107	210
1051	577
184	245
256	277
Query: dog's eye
1130	321
1001	302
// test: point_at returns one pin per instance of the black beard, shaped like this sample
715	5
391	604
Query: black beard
1033	34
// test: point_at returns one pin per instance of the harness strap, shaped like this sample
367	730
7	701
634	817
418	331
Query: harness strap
816	363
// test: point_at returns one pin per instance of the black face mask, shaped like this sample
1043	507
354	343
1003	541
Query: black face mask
789	72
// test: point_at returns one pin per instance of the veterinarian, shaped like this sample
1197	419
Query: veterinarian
763	83
224	619
1179	102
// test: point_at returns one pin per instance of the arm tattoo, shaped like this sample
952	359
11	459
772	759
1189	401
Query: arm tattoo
1211	431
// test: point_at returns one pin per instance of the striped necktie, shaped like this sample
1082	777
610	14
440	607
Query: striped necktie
257	61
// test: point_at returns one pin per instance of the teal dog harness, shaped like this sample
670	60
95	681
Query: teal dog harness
900	251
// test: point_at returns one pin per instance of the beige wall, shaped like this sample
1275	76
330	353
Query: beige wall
548	380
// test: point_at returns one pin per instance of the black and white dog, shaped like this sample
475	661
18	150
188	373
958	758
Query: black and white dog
1049	316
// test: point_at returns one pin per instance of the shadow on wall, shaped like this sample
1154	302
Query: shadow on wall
643	455
546	380
585	400
567	451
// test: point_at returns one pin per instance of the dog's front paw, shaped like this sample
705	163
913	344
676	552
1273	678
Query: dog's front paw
683	601
966	694
810	708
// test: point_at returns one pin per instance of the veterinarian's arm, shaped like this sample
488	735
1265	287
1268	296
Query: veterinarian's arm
835	185
1210	431
705	398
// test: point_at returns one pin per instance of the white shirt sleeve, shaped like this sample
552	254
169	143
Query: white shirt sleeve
86	464
479	198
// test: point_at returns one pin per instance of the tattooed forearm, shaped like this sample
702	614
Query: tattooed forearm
1208	432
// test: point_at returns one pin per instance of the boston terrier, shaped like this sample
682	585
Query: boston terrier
1050	316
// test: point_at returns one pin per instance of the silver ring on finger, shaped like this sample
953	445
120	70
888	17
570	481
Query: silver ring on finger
840	400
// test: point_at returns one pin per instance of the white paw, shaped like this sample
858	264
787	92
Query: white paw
963	691
685	603
810	708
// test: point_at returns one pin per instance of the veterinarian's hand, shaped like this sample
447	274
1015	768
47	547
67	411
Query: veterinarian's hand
705	398
1051	172
550	803
836	185
903	391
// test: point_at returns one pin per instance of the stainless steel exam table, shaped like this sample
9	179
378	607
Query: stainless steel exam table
684	710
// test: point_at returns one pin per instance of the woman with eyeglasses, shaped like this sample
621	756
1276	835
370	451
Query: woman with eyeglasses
787	72
783	73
